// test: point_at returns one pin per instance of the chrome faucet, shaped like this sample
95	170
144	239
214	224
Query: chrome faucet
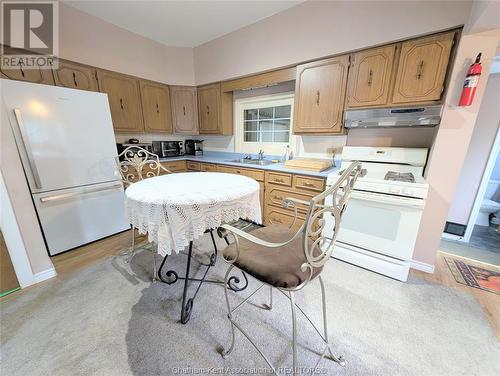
261	154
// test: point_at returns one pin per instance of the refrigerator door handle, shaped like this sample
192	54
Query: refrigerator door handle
73	194
27	148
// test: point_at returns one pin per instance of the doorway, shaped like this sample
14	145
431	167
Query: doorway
474	216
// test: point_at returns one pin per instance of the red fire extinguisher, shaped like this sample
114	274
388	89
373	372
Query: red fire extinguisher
471	81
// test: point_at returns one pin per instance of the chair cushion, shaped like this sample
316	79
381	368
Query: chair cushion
279	267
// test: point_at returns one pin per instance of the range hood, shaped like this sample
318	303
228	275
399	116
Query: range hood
425	116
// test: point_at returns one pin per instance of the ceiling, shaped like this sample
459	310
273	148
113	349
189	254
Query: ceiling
182	23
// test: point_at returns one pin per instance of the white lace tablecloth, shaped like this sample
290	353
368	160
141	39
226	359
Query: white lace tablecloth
175	209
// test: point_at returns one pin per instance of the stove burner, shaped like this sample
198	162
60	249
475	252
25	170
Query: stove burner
406	177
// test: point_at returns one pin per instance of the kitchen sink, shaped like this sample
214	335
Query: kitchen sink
259	162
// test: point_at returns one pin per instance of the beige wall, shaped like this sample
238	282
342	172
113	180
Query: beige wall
451	144
478	153
88	39
315	29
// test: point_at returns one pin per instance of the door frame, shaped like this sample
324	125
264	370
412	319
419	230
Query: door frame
482	188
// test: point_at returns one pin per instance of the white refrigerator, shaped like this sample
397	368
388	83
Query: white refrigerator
67	147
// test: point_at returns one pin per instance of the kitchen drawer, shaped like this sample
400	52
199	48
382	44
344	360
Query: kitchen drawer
279	178
193	166
208	167
282	217
276	194
309	183
254	174
174	166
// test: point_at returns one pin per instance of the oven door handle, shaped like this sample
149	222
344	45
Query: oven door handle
387	199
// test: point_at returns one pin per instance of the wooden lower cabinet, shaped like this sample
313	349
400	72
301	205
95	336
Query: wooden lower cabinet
174	166
279	216
208	167
193	166
251	173
282	185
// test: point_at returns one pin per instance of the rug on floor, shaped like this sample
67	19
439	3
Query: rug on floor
479	277
109	319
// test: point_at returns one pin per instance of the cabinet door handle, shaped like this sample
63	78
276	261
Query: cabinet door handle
277	220
74	79
121	103
370	77
184	110
157	108
208	110
317	97
420	70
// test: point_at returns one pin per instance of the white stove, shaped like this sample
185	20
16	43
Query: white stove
379	227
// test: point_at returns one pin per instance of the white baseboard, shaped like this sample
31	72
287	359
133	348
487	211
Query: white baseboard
422	266
43	276
448	236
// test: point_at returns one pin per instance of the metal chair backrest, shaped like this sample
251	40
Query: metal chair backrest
330	202
134	160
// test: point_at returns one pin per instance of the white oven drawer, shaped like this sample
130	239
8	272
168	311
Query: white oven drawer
380	223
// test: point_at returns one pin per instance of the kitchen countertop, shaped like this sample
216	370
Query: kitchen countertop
225	158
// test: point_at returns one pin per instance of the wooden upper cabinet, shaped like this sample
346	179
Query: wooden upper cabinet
422	69
75	76
320	89
184	109
20	73
209	106
370	77
124	100
156	109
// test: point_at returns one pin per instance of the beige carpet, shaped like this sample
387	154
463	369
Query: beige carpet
110	320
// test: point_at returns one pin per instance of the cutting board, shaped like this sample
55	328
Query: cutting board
309	164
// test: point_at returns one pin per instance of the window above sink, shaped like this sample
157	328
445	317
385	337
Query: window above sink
264	123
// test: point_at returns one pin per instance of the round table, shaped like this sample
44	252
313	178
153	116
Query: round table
176	209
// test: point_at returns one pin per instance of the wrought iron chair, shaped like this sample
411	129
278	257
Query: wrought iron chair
286	260
136	163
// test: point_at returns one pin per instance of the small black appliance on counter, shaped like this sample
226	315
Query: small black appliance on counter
194	147
168	148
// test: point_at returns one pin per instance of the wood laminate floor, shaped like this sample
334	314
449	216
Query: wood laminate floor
489	302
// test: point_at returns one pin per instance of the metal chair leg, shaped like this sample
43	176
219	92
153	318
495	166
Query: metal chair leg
339	359
294	333
225	353
270	305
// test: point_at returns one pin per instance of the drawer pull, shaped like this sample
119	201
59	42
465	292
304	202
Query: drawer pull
277	180
277	220
307	184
